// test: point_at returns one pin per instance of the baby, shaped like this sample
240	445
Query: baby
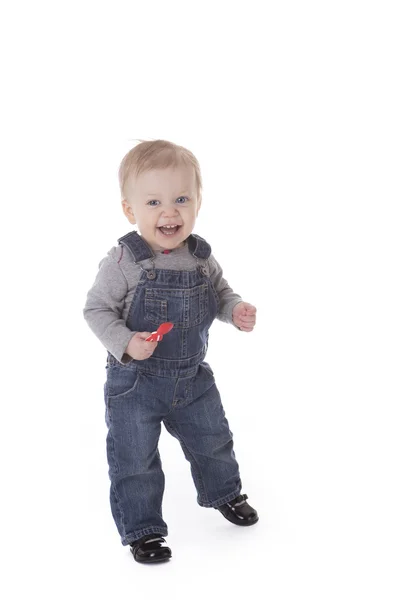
165	273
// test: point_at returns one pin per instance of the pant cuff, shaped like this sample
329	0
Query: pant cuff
220	501
133	537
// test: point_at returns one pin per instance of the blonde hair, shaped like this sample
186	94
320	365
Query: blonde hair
156	154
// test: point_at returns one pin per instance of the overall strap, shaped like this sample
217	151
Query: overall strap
198	246
137	246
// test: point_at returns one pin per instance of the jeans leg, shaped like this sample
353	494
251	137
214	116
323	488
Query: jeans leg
200	425
135	471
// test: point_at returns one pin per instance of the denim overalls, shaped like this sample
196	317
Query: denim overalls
174	386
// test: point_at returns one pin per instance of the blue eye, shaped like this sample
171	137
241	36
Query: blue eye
182	198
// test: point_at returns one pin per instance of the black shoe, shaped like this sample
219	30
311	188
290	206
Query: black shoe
150	549
237	511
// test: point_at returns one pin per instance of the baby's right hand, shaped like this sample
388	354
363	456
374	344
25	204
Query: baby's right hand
138	348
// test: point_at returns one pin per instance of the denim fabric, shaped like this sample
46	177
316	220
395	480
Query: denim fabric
175	386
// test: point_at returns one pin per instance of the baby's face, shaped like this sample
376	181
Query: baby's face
160	198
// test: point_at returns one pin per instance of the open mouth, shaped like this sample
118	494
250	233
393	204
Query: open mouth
169	230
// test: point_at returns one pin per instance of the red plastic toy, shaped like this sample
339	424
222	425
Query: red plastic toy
157	336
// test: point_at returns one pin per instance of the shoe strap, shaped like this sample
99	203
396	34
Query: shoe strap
150	539
240	500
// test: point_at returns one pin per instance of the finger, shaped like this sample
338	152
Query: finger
247	319
151	346
142	335
148	352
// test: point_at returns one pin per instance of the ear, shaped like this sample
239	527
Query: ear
128	212
198	205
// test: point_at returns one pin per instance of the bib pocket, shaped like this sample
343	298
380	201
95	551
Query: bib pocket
183	307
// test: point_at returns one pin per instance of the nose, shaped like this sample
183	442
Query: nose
170	210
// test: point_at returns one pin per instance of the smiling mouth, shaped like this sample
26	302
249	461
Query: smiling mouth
169	230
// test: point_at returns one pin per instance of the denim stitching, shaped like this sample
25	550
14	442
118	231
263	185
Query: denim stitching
119	507
128	392
175	402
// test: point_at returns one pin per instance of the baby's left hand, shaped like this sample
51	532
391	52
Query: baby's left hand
244	316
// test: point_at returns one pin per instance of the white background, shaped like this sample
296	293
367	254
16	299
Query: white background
292	109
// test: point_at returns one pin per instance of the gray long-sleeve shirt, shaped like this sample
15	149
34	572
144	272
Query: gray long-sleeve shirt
109	299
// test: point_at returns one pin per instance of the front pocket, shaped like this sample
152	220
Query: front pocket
182	307
121	381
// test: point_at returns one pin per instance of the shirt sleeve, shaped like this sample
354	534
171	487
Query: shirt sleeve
104	305
227	297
